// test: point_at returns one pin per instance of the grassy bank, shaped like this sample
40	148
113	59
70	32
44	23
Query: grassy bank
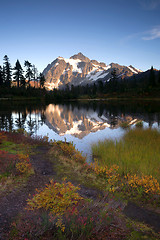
15	166
135	160
125	175
137	153
79	201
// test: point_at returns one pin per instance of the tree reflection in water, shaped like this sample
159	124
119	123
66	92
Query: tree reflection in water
78	119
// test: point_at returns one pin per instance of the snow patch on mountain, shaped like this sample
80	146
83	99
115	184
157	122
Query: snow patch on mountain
91	73
80	70
130	68
97	73
121	75
138	70
107	67
74	63
103	75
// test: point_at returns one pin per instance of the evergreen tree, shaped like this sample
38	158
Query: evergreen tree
18	74
7	71
87	89
152	80
41	79
72	89
35	74
29	72
100	86
23	81
77	92
94	89
159	77
1	76
134	82
114	80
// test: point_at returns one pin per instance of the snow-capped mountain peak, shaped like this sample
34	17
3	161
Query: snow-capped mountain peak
80	70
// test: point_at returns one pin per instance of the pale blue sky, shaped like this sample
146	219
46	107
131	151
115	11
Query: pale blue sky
121	31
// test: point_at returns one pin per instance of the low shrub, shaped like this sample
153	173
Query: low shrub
144	185
69	150
87	220
23	165
14	163
58	198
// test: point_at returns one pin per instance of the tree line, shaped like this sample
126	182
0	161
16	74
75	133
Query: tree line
26	116
20	77
21	80
144	84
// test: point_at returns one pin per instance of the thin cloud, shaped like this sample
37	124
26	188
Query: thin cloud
130	37
149	4
152	34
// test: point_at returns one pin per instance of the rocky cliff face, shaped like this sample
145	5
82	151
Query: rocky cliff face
80	70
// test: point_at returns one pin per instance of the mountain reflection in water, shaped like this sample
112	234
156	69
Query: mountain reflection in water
77	122
82	123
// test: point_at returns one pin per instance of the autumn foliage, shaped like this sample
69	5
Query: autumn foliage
145	188
58	198
12	163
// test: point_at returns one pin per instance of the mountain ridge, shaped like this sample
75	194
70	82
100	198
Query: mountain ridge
80	70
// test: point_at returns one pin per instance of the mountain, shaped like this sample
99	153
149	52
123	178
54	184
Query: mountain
144	76
80	70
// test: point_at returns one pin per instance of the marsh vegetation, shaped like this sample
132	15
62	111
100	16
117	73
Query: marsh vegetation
138	152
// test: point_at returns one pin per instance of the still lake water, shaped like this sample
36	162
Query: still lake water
81	123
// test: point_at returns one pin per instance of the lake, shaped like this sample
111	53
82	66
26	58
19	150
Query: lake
82	123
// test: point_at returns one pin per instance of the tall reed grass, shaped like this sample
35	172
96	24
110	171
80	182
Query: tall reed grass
138	152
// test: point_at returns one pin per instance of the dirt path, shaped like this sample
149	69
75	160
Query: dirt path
14	202
143	215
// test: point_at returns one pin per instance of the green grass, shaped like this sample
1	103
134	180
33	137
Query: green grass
10	147
15	148
10	177
138	152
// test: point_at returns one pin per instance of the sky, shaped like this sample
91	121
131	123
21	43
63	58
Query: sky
126	32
